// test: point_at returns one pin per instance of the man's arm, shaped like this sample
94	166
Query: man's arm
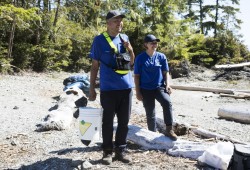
93	75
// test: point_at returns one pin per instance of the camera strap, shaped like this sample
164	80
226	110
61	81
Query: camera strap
112	45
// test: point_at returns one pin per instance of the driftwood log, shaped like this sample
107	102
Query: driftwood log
64	111
238	94
239	114
206	89
232	65
182	129
154	140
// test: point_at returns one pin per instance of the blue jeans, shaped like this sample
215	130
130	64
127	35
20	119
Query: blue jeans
149	97
115	102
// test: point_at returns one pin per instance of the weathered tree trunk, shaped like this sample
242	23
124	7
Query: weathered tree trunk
238	114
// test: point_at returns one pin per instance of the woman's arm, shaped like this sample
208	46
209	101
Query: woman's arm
137	87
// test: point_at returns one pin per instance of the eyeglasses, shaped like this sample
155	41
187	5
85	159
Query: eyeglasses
153	43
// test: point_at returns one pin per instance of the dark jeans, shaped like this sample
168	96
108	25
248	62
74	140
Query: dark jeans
115	102
163	98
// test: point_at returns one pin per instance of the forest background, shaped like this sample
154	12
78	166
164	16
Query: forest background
44	35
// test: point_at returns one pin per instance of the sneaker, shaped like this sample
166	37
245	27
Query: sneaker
107	158
123	157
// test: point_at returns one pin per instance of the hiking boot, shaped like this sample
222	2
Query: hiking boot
107	158
170	133
120	155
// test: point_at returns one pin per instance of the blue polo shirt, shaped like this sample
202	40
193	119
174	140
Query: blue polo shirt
101	51
150	69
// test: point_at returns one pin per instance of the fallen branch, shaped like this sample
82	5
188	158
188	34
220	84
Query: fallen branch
232	65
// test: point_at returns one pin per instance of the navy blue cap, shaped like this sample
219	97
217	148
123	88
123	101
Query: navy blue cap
113	14
151	38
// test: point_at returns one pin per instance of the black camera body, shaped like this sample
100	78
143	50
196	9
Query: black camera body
123	61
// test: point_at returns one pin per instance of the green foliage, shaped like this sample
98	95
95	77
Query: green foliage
5	66
197	50
60	38
231	49
22	17
21	57
50	56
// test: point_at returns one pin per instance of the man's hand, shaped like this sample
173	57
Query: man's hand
92	95
128	46
139	96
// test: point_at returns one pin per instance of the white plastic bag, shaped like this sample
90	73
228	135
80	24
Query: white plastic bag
218	155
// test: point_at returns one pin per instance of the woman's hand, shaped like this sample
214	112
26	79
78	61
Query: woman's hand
169	90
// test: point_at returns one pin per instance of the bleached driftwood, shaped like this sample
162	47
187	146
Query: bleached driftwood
206	89
232	65
67	106
153	140
180	127
243	91
239	114
237	95
208	134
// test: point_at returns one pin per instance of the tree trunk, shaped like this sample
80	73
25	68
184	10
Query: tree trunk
56	14
45	5
201	16
11	38
39	4
216	18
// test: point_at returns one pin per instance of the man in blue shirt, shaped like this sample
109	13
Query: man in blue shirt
115	85
151	74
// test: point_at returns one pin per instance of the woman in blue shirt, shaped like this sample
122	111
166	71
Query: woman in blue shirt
151	75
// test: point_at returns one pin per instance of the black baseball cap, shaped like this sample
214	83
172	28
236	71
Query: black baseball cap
151	38
113	14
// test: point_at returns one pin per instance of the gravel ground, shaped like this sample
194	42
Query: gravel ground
26	99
